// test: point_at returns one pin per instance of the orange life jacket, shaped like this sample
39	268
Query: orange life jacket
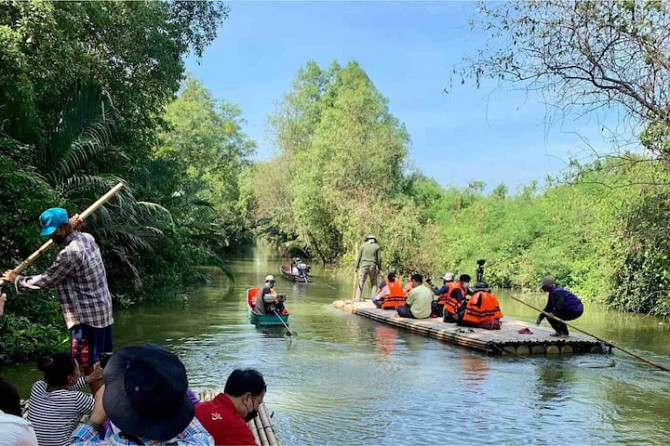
447	299
482	307
395	295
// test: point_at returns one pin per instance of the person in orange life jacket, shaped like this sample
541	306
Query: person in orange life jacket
456	298
227	415
267	300
482	310
391	287
441	293
560	303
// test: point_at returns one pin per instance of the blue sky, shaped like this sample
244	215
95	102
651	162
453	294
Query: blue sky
497	134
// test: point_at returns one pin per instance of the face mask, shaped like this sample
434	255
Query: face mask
466	285
251	414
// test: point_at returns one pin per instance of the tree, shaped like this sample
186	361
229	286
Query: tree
205	144
343	153
588	54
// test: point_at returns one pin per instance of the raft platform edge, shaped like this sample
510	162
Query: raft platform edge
505	341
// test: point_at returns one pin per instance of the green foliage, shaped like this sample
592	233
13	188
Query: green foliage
340	162
339	175
83	93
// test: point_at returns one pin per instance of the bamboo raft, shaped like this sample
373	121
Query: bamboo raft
506	341
262	427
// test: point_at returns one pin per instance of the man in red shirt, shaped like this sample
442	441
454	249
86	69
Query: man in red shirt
227	415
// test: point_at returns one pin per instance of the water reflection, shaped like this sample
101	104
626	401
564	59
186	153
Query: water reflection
554	381
385	339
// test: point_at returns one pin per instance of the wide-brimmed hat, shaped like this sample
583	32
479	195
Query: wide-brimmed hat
51	219
269	278
448	276
371	237
145	392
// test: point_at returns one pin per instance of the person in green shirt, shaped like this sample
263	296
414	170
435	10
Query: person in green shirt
367	265
419	301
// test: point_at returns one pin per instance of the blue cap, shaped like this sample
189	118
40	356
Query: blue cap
51	219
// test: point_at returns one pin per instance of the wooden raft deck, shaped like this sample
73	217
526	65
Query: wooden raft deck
506	341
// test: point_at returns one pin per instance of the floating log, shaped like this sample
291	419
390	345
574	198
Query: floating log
261	426
506	341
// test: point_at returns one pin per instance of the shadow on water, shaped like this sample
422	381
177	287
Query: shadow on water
349	380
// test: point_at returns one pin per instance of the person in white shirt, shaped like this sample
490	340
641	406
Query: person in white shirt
14	430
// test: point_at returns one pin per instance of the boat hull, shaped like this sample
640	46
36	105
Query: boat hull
286	273
263	320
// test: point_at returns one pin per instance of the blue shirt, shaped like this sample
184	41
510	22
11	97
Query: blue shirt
194	435
562	299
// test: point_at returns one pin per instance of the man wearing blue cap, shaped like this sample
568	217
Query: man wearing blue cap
79	276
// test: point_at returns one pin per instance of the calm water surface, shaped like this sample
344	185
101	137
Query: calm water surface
347	380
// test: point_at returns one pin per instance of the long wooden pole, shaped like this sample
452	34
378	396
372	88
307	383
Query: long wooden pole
353	291
48	245
611	344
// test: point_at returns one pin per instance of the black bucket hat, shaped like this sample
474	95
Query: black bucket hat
145	392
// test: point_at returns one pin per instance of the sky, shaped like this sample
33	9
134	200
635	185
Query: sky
496	134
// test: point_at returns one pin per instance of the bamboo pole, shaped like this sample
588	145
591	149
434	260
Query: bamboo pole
267	426
48	245
353	291
611	344
261	431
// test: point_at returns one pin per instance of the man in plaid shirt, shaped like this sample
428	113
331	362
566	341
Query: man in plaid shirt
79	276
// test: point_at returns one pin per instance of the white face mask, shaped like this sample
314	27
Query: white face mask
466	285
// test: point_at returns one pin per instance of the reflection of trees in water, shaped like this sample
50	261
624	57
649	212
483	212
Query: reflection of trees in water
555	380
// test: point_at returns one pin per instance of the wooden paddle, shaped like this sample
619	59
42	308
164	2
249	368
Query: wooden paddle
288	330
50	244
608	343
353	291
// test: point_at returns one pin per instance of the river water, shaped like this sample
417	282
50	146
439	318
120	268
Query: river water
348	380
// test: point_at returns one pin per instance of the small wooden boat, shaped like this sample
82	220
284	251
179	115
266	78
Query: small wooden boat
297	278
262	320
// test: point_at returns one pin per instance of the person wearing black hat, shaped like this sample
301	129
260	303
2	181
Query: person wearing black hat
145	397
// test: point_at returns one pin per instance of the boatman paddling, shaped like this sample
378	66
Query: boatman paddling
561	303
79	276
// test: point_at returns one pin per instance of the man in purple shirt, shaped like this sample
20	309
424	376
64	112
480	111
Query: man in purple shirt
80	278
561	303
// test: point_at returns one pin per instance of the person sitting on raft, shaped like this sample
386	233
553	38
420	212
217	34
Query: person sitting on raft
560	303
58	402
482	310
450	295
390	294
408	288
456	298
418	302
